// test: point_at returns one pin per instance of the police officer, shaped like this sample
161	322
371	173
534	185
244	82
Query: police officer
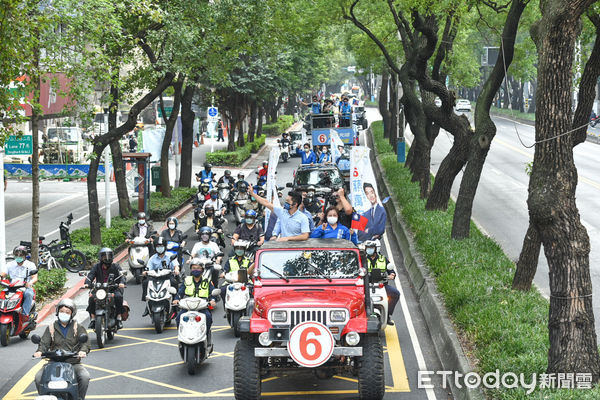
376	260
237	262
196	285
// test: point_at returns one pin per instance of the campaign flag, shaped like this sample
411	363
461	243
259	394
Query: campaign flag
358	222
334	142
271	181
355	102
361	173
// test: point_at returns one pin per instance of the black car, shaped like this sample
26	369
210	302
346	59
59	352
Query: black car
325	178
360	117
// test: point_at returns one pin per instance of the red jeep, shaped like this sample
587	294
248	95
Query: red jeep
310	310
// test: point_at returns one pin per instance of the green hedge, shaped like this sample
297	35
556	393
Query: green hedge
160	206
276	129
50	283
507	330
111	237
238	156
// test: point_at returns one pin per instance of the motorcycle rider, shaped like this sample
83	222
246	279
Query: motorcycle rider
262	174
196	286
207	218
226	178
172	233
142	227
204	191
157	262
205	244
241	179
206	173
376	260
308	156
215	202
249	230
99	273
239	261
64	334
18	269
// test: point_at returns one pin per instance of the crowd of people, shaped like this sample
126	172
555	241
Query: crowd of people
324	112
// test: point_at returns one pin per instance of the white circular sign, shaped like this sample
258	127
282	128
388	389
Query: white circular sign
311	344
322	138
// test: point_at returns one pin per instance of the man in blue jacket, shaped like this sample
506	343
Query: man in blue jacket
308	156
375	215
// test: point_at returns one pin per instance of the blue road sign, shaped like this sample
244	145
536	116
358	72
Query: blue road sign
212	111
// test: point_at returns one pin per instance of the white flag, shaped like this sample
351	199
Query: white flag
334	142
271	181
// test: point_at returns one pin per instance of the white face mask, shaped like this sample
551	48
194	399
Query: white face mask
64	317
370	251
142	221
171	226
306	150
332	220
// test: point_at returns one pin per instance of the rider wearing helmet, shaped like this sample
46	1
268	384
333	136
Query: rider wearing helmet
249	229
215	202
206	173
205	244
196	285
376	260
19	270
172	233
142	227
64	334
226	178
238	261
241	180
101	272
262	173
159	261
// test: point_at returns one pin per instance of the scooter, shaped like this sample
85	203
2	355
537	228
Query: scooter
236	298
138	250
58	378
379	296
284	150
12	321
241	204
159	296
195	343
106	310
176	248
224	194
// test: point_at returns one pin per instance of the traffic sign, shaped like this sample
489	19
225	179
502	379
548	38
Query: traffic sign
18	146
311	344
213	114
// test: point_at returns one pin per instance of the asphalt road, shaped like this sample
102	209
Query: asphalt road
500	206
139	363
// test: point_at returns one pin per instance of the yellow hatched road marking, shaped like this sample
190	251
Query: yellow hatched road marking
16	392
396	361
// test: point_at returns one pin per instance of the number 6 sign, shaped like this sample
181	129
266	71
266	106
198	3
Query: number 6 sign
311	344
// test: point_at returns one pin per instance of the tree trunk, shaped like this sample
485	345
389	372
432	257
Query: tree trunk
35	179
383	102
115	148
231	130
552	206
528	260
187	136
253	114
165	182
93	205
261	115
393	111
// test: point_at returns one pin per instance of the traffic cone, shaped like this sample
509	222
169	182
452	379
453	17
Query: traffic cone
201	139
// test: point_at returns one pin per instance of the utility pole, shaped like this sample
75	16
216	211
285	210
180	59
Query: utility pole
107	184
2	217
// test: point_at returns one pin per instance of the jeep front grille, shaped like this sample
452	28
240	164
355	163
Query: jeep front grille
299	316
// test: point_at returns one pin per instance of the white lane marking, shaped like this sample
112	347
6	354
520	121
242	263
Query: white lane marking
80	218
47	206
409	324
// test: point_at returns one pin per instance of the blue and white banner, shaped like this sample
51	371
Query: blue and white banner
362	179
335	143
52	171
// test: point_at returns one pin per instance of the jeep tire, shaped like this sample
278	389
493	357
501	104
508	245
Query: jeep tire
246	372
371	380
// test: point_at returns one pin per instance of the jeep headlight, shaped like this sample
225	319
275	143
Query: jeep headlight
337	316
279	316
352	338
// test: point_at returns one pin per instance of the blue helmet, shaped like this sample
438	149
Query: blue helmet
251	214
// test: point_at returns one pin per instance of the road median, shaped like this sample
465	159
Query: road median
478	324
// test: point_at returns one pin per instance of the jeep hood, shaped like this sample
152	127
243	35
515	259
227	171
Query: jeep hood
350	299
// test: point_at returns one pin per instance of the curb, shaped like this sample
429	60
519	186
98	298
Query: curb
120	257
441	329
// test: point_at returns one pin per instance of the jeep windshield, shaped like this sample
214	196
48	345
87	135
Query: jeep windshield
319	177
299	264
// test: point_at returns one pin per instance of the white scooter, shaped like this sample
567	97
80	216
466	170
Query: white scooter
284	150
195	343
378	295
237	298
159	296
138	250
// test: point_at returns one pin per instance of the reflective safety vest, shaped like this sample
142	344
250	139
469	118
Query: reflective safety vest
192	291
234	265
380	263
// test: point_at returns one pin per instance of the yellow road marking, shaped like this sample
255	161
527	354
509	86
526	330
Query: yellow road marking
343	378
135	371
396	360
268	379
16	392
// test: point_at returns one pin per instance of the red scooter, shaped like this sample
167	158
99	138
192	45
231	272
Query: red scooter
12	321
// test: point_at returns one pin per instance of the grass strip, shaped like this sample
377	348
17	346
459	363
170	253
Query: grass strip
506	330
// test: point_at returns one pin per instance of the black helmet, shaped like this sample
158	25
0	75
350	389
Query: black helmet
227	172
207	165
209	208
105	255
172	219
141	215
240	175
70	304
20	251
